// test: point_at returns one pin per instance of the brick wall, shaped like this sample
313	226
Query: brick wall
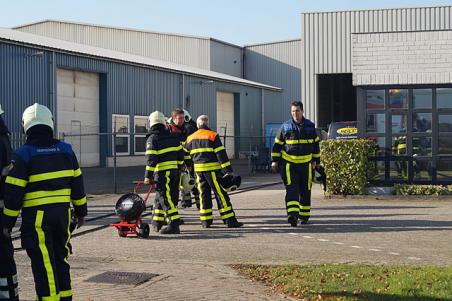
402	58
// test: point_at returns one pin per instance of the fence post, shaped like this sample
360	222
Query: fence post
114	164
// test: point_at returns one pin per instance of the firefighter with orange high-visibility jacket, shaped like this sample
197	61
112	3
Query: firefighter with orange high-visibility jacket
295	154
44	181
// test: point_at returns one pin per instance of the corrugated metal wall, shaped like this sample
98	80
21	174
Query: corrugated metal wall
184	50
326	39
277	64
226	58
26	76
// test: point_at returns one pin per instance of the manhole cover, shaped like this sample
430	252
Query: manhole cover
129	278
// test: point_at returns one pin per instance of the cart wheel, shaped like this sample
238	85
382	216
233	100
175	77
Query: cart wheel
122	231
143	230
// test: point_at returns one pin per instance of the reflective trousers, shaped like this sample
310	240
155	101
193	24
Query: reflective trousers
298	181
45	236
207	181
167	196
8	272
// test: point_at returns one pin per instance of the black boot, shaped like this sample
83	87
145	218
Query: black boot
156	226
292	219
207	223
303	220
232	222
172	228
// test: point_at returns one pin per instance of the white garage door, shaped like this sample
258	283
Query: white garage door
78	112
225	119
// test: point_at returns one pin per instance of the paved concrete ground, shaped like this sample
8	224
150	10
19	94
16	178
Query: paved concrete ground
193	265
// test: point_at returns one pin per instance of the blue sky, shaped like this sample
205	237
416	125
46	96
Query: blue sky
239	22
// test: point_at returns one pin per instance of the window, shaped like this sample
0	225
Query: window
375	99
422	122
120	126
398	98
376	122
422	98
445	123
444	98
140	123
398	123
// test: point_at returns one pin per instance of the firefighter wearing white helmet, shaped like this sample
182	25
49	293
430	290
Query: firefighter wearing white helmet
43	183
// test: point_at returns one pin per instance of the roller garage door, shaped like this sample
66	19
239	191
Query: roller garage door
225	120
78	112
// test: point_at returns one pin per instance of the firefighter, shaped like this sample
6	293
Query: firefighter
165	157
190	126
44	180
295	153
209	158
8	271
177	127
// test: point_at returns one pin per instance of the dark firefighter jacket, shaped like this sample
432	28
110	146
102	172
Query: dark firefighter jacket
297	143
163	151
207	152
45	172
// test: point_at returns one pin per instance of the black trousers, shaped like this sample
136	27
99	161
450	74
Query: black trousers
207	181
8	271
167	196
45	236
298	181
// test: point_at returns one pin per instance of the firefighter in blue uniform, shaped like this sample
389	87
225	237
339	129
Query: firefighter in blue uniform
43	182
295	154
165	158
8	271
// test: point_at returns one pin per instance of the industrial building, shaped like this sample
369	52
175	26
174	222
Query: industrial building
389	69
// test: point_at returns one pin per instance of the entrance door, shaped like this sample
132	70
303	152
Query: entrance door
225	120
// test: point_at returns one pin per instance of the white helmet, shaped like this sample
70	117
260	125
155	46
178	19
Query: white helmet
156	117
1	110
187	116
35	115
186	182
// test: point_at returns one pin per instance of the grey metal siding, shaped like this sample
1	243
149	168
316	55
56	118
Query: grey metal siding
327	43
279	64
226	58
184	50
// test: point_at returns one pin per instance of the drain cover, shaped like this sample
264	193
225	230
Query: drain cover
129	278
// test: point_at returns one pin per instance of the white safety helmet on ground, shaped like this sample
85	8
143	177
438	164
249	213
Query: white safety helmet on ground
186	182
1	110
37	115
187	116
156	117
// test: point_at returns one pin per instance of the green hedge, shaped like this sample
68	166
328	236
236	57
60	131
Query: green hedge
406	189
346	165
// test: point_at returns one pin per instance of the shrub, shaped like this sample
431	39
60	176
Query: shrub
346	164
407	189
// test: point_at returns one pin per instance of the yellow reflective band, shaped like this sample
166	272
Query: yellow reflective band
46	201
51	175
305	214
293	209
219	149
174	217
205	210
309	177
79	202
300	141
305	207
158	218
185	150
163	151
317	139
278	141
401	146
45	256
168	194
296	159
276	154
150	168
226	164
198	186
218	189
227	215
16	181
316	155
187	157
51	298
206	218
159	211
201	150
293	203
288	179
77	172
207	166
46	193
9	212
172	211
67	293
66	245
225	209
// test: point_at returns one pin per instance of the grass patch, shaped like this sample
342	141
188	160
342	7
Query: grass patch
342	282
